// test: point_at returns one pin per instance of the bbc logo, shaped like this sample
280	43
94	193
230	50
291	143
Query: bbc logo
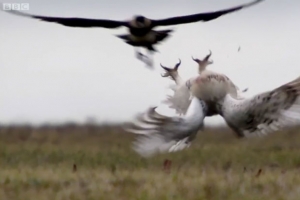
15	6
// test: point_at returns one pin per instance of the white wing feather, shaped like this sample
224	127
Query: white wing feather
167	134
264	113
180	100
181	97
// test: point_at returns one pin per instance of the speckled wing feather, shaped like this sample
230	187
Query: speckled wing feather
266	112
160	134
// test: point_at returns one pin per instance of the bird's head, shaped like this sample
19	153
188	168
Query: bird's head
171	72
203	63
141	21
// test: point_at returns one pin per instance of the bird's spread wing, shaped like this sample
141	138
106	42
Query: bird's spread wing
267	112
75	22
201	16
167	134
180	100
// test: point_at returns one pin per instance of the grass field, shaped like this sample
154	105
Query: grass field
90	162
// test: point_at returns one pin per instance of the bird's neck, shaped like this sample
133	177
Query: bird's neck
196	112
201	69
175	77
178	80
228	105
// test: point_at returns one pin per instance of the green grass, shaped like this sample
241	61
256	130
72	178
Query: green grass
38	163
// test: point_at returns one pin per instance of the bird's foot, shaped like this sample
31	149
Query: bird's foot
148	62
142	57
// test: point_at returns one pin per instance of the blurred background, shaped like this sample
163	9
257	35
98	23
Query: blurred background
56	74
64	92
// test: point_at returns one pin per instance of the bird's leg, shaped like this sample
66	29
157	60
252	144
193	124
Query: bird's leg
150	51
144	58
149	59
139	55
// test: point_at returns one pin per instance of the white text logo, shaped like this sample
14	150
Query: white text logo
15	6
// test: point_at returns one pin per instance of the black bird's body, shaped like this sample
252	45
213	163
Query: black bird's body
141	33
148	40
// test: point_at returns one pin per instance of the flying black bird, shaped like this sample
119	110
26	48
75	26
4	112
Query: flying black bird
141	33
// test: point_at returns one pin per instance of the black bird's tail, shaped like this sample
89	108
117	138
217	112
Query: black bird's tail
161	35
124	37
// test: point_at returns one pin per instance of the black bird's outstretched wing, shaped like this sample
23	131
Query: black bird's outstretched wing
200	16
75	22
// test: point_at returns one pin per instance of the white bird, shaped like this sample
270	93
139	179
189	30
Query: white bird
163	133
172	73
167	134
159	136
181	98
202	64
203	67
259	115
